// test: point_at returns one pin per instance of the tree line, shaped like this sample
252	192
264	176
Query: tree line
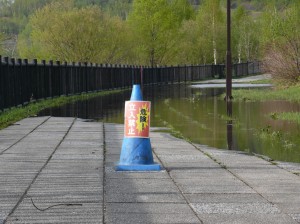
156	32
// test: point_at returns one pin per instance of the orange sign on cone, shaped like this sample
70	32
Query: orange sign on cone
137	119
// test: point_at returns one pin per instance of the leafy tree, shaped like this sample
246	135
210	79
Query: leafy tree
211	23
15	14
182	11
155	26
60	31
193	47
244	36
9	25
23	8
13	19
204	38
6	8
281	43
184	16
119	8
154	32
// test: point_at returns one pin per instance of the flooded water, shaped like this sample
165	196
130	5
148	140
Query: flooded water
200	115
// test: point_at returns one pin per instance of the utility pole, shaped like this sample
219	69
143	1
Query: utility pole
228	57
228	97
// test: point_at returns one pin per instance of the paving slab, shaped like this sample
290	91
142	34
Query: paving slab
142	218
225	198
150	213
235	208
71	180
145	197
62	170
247	219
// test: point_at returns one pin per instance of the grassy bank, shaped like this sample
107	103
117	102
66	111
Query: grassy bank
291	94
32	109
288	116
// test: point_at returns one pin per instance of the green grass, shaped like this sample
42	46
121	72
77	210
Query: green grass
289	116
291	94
263	81
13	115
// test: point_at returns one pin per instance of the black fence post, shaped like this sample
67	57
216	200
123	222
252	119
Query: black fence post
67	81
26	82
51	79
80	78
247	68
132	75
6	95
34	75
184	73
123	73
20	75
58	78
98	77
14	85
102	76
85	77
1	85
72	78
46	79
40	81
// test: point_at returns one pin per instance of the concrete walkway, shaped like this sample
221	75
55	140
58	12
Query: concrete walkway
60	170
247	79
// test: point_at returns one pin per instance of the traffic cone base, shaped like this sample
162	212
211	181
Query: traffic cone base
139	167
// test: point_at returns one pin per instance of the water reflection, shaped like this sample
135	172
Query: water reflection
229	125
202	117
100	108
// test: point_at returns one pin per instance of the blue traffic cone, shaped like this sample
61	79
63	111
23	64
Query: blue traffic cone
136	153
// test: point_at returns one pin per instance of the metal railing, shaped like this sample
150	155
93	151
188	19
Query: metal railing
22	81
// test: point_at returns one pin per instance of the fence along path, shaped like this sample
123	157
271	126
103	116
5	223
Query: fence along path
21	80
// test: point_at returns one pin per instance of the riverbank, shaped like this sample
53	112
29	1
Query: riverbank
61	170
31	109
291	94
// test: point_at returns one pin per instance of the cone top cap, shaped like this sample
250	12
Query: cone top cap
136	94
